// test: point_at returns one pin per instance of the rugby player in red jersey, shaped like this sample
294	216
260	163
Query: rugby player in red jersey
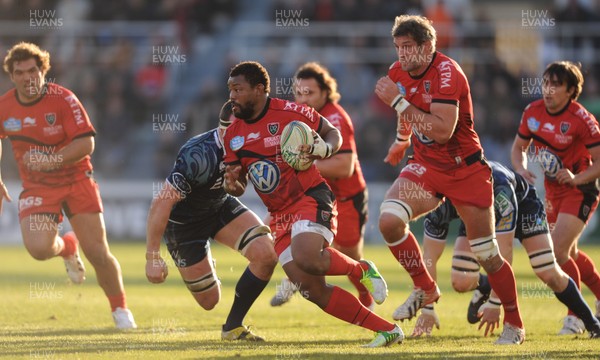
190	209
431	95
52	140
301	204
315	87
566	143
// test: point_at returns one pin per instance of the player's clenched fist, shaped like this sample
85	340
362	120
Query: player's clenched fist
386	90
156	268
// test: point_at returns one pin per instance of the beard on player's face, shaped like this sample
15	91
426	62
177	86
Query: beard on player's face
243	111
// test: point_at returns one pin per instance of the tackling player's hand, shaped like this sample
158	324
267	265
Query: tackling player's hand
156	268
231	179
490	317
425	323
3	195
386	90
318	150
528	175
396	152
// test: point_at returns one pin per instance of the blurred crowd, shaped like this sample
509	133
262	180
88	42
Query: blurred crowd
126	92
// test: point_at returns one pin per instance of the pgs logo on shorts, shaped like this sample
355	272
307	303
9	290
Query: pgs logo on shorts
29	201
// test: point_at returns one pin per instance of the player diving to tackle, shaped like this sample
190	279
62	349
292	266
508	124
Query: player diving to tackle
192	207
519	213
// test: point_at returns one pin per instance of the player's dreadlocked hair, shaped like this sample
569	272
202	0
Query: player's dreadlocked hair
415	26
25	51
314	70
566	72
254	73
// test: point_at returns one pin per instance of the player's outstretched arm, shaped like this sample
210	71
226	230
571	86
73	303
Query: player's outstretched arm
158	217
518	159
3	191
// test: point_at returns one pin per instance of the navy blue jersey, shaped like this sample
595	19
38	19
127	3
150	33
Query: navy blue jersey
198	176
510	189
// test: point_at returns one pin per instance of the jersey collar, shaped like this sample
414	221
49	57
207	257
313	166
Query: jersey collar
44	91
420	76
561	110
262	113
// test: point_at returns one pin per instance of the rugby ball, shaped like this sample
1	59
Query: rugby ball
294	134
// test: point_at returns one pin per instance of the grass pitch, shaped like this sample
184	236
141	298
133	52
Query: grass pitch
43	316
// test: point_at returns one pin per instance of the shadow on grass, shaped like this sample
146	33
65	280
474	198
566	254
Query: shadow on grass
149	344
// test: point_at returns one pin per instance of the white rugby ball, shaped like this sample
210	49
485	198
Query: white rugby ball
294	134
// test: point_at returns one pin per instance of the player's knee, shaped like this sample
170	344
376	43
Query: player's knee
261	252
208	300
41	253
310	262
392	228
465	271
545	267
462	283
256	234
394	219
206	290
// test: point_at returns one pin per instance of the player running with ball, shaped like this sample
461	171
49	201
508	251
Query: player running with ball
315	87
301	203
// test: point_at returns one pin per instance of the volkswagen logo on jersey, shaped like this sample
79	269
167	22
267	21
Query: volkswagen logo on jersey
550	163
265	176
422	138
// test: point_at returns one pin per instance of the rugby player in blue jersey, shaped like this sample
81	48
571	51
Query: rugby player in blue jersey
190	209
519	214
